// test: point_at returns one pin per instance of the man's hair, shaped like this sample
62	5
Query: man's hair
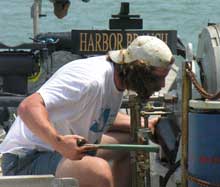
138	77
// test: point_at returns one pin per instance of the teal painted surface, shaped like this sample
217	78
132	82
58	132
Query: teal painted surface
189	17
128	147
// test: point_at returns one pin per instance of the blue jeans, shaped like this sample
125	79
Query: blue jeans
31	162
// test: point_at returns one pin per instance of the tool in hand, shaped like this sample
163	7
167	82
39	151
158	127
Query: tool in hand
121	147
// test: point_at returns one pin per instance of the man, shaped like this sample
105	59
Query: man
60	7
81	101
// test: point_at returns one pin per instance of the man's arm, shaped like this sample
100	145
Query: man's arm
122	123
35	116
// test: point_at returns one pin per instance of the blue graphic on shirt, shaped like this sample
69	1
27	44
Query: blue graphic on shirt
100	124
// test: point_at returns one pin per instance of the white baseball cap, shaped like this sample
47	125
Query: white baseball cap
149	49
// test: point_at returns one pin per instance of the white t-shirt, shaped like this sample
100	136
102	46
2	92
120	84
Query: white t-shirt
81	98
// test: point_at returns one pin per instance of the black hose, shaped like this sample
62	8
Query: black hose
171	170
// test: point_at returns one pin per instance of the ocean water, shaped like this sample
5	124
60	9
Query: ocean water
188	17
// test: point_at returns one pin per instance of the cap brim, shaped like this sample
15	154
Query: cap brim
115	56
120	56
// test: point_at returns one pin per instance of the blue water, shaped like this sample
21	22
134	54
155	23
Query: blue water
188	17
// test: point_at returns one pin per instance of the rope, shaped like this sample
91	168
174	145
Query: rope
199	88
201	182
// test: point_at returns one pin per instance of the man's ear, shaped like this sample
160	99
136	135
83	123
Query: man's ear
66	6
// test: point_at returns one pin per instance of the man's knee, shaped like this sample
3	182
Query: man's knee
103	174
92	171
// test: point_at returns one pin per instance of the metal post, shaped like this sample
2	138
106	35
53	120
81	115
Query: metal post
144	158
36	10
135	119
186	95
139	160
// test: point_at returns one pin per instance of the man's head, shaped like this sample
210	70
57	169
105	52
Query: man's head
143	66
61	8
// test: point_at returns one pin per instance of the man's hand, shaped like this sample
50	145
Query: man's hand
152	122
67	147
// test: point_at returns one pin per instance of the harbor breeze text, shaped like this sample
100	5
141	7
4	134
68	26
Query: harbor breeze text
104	41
